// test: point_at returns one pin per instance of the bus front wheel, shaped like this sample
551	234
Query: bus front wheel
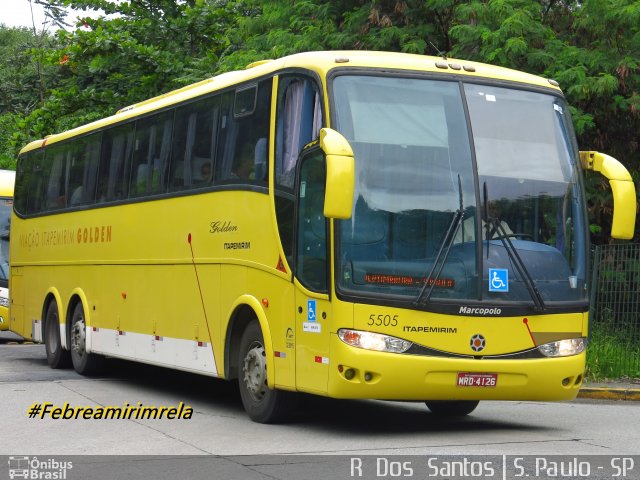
262	404
452	408
56	356
83	362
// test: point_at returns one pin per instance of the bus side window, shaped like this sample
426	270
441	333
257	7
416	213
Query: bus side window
151	154
194	144
23	176
299	122
117	146
83	171
55	170
29	183
244	130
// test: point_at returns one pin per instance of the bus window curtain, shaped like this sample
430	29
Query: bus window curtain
317	117
53	188
292	121
160	165
188	151
302	124
145	183
117	157
92	160
229	148
121	150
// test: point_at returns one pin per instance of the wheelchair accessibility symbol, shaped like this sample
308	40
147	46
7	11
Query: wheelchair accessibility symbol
498	280
311	310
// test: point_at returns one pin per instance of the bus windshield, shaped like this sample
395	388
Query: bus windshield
521	238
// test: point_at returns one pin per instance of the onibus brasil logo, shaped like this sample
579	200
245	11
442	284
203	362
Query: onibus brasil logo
33	468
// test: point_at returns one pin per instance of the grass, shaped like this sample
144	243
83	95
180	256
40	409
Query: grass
612	354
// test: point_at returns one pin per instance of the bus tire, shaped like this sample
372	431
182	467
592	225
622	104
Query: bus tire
452	408
83	362
56	356
262	404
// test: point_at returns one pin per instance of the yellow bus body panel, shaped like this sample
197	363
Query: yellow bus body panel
143	275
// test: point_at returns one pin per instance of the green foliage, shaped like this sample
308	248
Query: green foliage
23	82
18	77
9	122
104	64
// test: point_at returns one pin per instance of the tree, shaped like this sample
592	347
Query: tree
143	49
22	85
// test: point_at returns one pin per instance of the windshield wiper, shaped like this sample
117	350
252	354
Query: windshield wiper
503	236
445	247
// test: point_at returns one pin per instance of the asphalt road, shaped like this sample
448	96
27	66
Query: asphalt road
321	426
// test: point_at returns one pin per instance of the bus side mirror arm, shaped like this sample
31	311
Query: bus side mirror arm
338	201
624	192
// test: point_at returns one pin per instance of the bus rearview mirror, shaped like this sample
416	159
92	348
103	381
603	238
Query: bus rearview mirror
338	201
624	192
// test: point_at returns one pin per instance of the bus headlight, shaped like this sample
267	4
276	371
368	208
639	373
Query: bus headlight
563	348
373	341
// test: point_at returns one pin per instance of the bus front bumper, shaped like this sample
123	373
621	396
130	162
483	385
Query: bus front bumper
359	373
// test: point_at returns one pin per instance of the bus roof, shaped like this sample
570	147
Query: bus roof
321	63
7	180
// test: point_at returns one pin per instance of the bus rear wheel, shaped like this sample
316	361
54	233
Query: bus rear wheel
56	356
262	404
83	362
452	408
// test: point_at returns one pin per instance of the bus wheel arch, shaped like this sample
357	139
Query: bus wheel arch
246	309
57	355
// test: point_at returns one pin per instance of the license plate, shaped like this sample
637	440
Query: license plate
468	379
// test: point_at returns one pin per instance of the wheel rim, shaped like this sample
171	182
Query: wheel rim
78	337
255	372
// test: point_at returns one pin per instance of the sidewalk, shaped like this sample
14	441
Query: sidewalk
628	389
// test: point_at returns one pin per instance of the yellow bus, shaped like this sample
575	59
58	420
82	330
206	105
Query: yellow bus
7	179
346	224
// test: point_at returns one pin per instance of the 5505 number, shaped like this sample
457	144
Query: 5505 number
383	320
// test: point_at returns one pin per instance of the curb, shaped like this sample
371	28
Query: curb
604	393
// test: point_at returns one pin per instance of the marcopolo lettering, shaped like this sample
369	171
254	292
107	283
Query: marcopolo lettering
480	311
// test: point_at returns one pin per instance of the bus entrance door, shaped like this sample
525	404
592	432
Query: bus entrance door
312	342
